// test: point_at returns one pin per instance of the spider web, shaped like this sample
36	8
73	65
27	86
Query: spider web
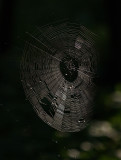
61	98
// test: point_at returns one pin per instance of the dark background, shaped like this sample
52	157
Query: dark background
22	134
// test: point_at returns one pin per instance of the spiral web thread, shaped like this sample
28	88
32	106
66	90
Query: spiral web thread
62	104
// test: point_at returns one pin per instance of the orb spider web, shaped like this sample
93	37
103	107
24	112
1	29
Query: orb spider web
57	71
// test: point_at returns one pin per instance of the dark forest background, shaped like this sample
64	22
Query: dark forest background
23	135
